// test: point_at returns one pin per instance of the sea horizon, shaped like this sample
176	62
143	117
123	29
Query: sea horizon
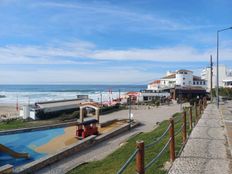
24	93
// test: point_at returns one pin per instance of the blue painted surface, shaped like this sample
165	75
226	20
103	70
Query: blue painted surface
27	142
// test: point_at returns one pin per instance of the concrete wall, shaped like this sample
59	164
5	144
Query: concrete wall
6	169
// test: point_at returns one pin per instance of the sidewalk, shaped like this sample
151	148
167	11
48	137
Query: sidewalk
226	111
206	151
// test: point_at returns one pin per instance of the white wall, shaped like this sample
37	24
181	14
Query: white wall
224	73
184	78
155	86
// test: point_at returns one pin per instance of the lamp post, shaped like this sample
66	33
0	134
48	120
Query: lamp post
217	87
129	108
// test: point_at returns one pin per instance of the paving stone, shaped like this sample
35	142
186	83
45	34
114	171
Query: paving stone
200	166
204	148
210	123
206	151
208	132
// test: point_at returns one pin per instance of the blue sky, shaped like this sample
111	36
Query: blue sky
109	41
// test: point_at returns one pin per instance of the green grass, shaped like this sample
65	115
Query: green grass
62	118
113	162
20	123
12	124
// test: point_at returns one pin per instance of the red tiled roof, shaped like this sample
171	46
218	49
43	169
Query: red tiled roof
155	82
133	93
172	76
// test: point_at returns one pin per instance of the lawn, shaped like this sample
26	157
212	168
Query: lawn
20	123
113	162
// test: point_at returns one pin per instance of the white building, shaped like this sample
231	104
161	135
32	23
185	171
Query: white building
181	78
225	76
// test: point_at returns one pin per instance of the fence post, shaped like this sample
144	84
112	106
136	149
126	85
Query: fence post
199	103
205	102
172	142
196	113
202	106
140	157
190	118
184	127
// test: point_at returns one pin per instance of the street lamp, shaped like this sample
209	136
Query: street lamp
129	108
217	87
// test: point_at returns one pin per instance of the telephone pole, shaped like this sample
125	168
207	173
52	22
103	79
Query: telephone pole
119	94
211	79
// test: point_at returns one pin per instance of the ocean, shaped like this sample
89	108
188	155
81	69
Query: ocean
38	93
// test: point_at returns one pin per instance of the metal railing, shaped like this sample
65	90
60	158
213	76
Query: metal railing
139	152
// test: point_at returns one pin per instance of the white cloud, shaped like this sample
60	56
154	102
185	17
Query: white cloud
77	52
89	76
111	15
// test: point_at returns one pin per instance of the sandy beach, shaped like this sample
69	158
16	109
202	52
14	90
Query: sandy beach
8	111
59	142
69	138
111	126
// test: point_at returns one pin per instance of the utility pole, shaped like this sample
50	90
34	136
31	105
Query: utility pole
101	97
211	79
119	94
218	31
129	108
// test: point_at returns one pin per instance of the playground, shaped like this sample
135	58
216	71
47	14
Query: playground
23	147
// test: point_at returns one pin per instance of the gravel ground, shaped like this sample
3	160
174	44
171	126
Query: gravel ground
148	118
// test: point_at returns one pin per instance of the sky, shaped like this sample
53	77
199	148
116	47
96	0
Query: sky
109	41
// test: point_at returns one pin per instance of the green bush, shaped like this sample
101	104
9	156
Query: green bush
225	92
43	116
108	109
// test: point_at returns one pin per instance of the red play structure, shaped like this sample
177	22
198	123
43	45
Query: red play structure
87	128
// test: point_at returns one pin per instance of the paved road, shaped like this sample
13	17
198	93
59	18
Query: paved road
148	118
206	151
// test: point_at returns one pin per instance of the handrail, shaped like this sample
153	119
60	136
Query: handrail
127	162
159	138
178	120
179	130
157	156
182	147
182	122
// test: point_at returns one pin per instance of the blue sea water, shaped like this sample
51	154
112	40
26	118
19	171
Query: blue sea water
69	88
26	142
36	93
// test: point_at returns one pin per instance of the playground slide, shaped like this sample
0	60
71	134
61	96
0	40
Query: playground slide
13	153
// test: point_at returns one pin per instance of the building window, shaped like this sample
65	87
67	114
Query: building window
185	72
197	83
183	83
183	78
193	83
145	98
